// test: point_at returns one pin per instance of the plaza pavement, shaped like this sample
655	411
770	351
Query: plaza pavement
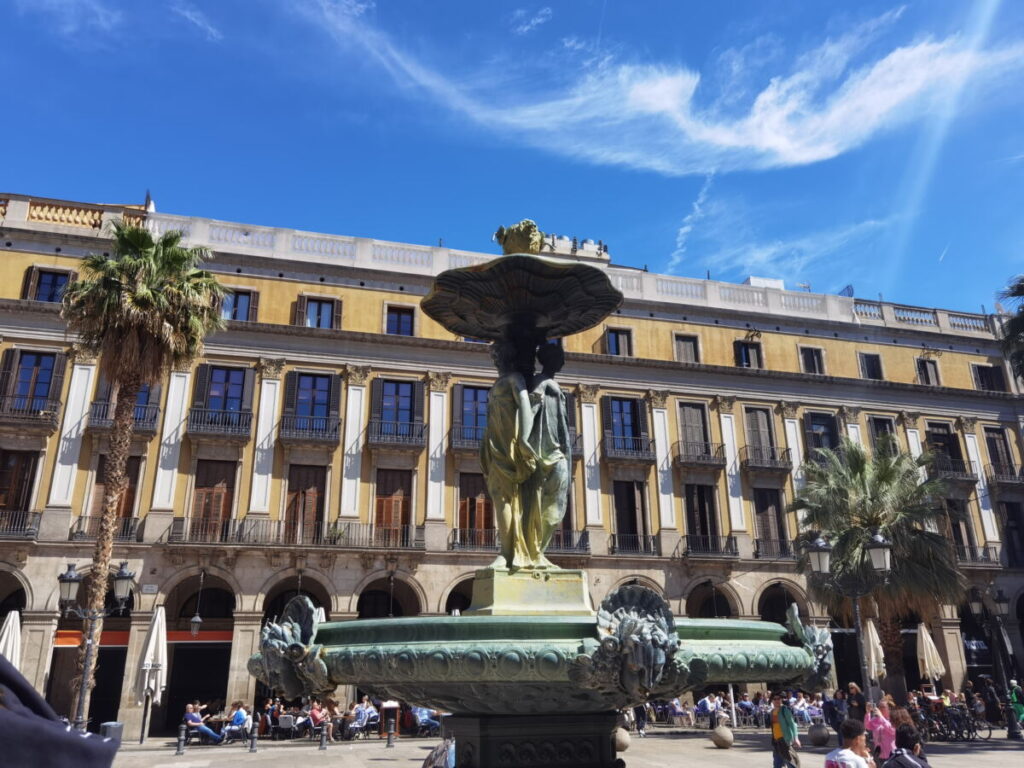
663	748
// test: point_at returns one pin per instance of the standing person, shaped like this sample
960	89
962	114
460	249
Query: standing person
882	731
710	705
854	752
640	713
908	753
785	739
992	709
1017	700
856	704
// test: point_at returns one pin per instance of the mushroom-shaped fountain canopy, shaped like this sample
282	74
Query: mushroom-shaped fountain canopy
549	297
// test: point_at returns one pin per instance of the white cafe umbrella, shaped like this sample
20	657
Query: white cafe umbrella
929	661
873	651
10	639
152	674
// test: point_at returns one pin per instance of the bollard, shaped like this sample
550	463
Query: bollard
391	729
252	741
182	732
323	738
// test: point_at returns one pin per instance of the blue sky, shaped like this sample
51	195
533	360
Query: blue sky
824	143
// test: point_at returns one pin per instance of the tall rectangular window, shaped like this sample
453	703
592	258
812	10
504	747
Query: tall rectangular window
400	321
212	499
759	431
820	431
17	471
959	528
474	412
748	354
769	520
475	510
630	515
32	381
312	400
393	512
624	419
870	366
235	305
989	378
812	360
304	507
942	442
396	402
880	427
1013	527
694	429
126	507
319	313
687	349
701	518
50	286
620	342
998	449
927	372
225	389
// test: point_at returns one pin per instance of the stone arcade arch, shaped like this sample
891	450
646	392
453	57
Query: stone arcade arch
385	596
709	601
278	596
13	595
459	595
774	600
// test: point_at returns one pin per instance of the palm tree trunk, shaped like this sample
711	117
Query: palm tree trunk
892	645
116	482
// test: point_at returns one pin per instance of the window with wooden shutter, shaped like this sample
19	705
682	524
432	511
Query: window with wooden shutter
212	499
998	449
820	431
630	513
927	372
393	512
768	515
254	307
475	510
8	365
687	349
748	354
870	366
694	427
759	433
989	378
300	311
812	360
304	504
126	506
201	386
701	516
17	474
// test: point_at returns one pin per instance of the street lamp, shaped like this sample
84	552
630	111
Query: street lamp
195	624
853	585
69	583
994	625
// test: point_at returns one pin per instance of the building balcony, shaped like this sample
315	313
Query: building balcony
1006	475
575	444
16	524
318	431
87	527
699	546
774	549
336	534
988	556
699	455
397	435
474	539
234	426
639	449
633	544
766	458
31	415
465	439
101	418
953	470
570	542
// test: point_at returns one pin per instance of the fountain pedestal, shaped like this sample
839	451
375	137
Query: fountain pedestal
500	592
525	741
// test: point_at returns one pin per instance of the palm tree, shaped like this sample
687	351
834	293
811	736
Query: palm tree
1013	329
143	309
848	496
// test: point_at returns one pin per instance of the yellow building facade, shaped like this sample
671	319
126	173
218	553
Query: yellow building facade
327	443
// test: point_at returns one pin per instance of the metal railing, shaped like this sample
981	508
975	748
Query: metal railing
702	454
698	545
570	541
948	468
1005	474
774	549
410	434
309	429
766	457
344	535
101	416
575	443
466	438
207	421
978	554
30	410
88	527
473	539
632	544
17	524
631	448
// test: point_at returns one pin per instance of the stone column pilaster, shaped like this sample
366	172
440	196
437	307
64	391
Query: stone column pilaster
130	712
245	641
38	630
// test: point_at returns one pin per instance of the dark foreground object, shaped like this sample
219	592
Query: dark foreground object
525	741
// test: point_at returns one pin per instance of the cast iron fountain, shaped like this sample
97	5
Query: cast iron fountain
532	674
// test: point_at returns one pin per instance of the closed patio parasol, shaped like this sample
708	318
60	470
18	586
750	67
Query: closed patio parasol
152	674
928	660
873	651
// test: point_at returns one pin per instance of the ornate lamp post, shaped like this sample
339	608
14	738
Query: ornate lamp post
853	586
195	624
69	583
994	625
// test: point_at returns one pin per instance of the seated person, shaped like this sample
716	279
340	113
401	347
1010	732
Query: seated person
425	718
364	710
799	708
746	707
235	727
318	717
196	724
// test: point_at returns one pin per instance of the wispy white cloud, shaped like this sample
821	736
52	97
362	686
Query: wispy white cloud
71	16
833	99
198	19
689	222
523	23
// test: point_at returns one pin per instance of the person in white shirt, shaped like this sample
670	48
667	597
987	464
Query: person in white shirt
854	753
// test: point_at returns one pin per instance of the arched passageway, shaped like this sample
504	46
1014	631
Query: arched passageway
774	602
288	588
388	597
460	597
12	595
706	601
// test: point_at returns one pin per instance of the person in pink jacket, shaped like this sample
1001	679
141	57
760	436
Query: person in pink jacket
882	731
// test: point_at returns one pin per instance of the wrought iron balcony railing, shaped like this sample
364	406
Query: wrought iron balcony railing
766	458
979	555
399	434
700	455
574	542
698	545
322	430
629	448
473	539
632	544
18	524
101	416
466	438
1004	474
87	527
575	444
959	470
216	423
41	412
340	534
774	549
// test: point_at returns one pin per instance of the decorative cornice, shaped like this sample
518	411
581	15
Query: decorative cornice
966	424
271	367
438	381
588	393
788	409
724	403
909	419
358	375
657	398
